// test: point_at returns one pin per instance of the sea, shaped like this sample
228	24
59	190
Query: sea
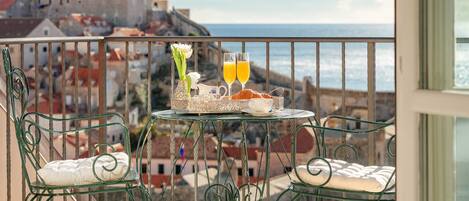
330	53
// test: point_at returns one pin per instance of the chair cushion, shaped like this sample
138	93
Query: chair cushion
80	171
347	176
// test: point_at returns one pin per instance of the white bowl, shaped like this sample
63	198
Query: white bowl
261	105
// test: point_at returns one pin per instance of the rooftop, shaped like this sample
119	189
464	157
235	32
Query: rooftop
18	27
163	144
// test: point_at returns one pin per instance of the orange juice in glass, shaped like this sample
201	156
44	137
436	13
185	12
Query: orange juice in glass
243	69
229	70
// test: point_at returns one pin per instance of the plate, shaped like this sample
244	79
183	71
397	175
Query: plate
259	114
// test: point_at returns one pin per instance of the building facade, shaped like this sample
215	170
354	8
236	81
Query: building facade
30	27
131	13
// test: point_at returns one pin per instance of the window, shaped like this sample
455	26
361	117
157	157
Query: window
160	168
58	49
44	49
144	168
31	49
178	169
251	172
461	27
113	138
433	153
46	31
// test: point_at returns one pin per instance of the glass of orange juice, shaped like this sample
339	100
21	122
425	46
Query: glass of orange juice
229	69
243	69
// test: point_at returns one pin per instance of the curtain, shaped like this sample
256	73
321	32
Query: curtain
437	59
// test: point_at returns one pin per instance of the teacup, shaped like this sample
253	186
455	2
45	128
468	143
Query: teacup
211	91
260	105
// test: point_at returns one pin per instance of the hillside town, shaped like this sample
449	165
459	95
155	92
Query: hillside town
76	85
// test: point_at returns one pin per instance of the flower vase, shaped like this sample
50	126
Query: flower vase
180	91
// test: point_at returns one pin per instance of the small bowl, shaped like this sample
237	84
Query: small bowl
261	105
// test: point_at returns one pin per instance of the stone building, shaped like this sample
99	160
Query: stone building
30	27
84	25
133	13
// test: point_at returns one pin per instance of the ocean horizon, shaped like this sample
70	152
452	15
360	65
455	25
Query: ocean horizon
305	55
330	58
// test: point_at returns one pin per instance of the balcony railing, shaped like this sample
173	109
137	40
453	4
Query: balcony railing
49	61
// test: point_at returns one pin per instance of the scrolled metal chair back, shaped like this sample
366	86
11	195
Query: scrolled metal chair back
17	86
18	93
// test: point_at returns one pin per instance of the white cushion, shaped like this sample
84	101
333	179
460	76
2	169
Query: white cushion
80	171
348	176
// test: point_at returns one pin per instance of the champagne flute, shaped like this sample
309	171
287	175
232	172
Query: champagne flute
229	69
243	68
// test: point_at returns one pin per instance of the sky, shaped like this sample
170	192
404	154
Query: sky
289	11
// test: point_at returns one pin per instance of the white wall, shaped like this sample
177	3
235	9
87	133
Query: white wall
45	29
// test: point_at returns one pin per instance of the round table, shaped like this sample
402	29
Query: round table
217	188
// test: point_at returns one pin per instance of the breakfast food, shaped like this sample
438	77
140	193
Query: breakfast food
249	94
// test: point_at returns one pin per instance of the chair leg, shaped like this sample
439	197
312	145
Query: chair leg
283	194
130	194
144	193
31	197
296	197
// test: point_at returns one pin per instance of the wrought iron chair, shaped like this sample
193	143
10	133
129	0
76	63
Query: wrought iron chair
30	137
323	188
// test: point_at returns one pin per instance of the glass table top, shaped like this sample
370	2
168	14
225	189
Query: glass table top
286	114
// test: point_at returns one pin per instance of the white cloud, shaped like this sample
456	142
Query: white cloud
302	11
345	5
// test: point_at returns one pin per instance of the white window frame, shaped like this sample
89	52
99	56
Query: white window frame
412	101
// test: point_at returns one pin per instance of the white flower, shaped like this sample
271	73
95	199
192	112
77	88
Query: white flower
185	48
194	77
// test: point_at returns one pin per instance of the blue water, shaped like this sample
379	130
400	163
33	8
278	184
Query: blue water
330	56
330	53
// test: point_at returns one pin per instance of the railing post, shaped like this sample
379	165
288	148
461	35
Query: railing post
198	132
371	99
318	80
102	90
149	108
8	141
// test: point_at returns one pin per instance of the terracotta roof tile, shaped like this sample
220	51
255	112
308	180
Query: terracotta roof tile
5	4
115	55
83	73
305	142
161	147
235	152
43	106
125	31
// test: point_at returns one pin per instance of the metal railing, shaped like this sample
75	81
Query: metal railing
82	48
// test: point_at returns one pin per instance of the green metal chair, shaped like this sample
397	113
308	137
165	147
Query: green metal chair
29	134
300	188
